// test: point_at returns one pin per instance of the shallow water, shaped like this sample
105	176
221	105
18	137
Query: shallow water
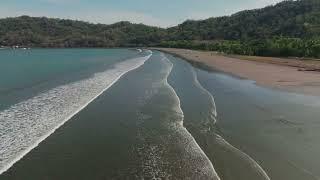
133	130
157	116
26	73
201	115
279	130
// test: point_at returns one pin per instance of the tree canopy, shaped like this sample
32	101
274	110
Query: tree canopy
49	32
289	28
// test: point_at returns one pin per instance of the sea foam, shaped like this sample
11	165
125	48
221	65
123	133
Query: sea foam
206	165
24	125
212	100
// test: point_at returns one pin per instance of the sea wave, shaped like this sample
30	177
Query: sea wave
214	113
221	142
245	158
24	125
215	145
207	166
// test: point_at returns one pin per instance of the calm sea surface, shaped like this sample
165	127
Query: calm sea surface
126	114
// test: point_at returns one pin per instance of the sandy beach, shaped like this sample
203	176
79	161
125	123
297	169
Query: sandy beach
287	74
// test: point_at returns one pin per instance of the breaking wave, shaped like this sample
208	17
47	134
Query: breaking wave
24	125
206	165
214	113
220	141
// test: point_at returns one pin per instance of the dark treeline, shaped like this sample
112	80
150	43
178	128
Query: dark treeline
290	28
277	46
49	32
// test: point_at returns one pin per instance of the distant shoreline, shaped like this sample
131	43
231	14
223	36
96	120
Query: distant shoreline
286	74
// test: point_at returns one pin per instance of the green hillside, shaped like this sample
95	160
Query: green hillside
49	32
299	19
290	28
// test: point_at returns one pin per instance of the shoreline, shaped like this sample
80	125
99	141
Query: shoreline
290	75
42	138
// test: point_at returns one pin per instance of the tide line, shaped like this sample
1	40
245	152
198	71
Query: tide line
214	109
193	141
36	143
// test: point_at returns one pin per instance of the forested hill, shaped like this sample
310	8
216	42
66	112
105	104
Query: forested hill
49	32
300	19
290	28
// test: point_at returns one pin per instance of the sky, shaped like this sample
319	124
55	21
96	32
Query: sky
161	13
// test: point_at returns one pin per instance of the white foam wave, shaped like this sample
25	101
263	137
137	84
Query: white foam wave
198	84
24	125
148	51
245	156
208	167
222	140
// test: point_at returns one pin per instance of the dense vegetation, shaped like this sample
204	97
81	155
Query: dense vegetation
48	32
276	46
290	28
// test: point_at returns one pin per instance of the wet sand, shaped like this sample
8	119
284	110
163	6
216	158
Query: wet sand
287	74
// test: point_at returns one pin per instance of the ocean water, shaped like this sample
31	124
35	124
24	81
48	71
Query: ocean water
132	114
24	74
